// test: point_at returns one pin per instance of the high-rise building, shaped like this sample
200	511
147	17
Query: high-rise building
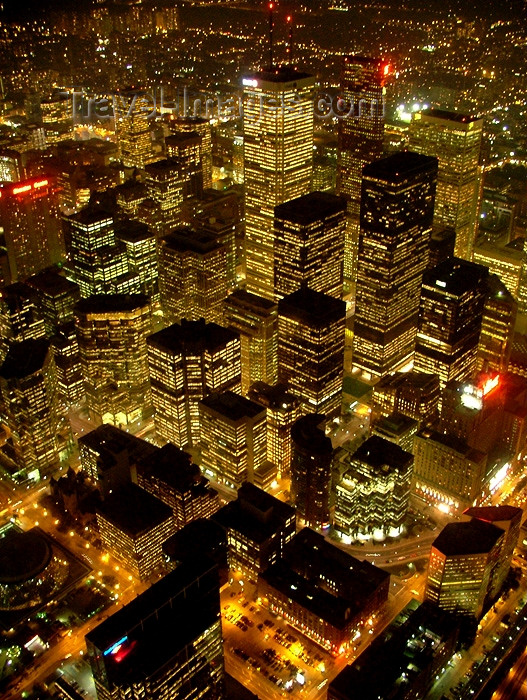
202	127
309	244
165	643
187	362
28	391
283	409
169	474
397	206
141	253
20	318
233	438
256	320
311	461
414	394
455	140
11	168
462	562
360	139
372	494
450	319
192	279
185	148
55	298
497	327
278	110
133	127
311	349
112	332
507	262
70	382
29	217
258	528
164	184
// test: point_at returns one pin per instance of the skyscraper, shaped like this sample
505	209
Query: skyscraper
185	148
395	225
166	643
19	316
133	127
497	327
55	298
360	139
141	253
202	127
164	184
450	319
311	349
309	244
112	331
278	155
187	362
256	320
455	140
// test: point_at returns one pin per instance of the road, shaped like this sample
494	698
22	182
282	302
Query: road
515	684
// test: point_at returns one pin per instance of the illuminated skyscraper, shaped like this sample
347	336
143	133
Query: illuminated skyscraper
256	320
132	113
164	185
497	327
11	169
311	349
450	319
278	108
360	139
19	316
185	148
396	222
28	390
167	643
309	244
192	280
201	126
112	331
29	217
186	363
55	298
455	140
141	253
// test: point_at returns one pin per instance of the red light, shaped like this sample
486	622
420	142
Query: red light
288	18
40	183
491	384
271	5
387	69
19	190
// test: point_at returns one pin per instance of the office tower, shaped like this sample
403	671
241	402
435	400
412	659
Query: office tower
109	456
497	327
55	297
28	389
309	244
450	318
19	316
507	262
112	330
29	216
225	227
360	139
258	527
133	525
192	281
397	205
166	643
164	185
508	519
187	362
414	394
129	196
185	148
282	410
278	106
233	438
202	127
11	168
455	140
462	561
198	540
311	349
311	459
441	246
447	472
132	112
256	321
97	261
397	428
325	593
70	381
141	253
371	496
170	475
406	672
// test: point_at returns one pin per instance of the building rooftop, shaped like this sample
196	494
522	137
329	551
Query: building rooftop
111	303
310	208
453	443
25	358
492	514
379	453
51	283
455	276
187	239
315	309
243	298
400	166
133	510
449	116
272	396
278	74
232	406
309	433
92	214
395	424
23	555
192	337
182	138
133	231
472	537
172	466
108	442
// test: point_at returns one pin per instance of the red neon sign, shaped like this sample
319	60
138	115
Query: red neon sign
20	190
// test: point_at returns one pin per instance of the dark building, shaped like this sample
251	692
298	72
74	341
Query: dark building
309	244
311	459
258	527
396	214
411	652
441	246
166	643
414	394
311	328
450	319
325	593
200	538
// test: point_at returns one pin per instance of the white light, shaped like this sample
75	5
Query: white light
249	82
300	678
440	283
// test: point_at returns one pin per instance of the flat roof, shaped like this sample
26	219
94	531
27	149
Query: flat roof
111	303
310	208
188	239
108	442
192	337
494	513
449	116
25	358
399	166
378	452
52	283
455	276
232	406
279	74
472	537
133	510
242	297
174	467
313	308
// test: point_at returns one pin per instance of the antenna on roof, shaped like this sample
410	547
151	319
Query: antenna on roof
271	7
289	50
